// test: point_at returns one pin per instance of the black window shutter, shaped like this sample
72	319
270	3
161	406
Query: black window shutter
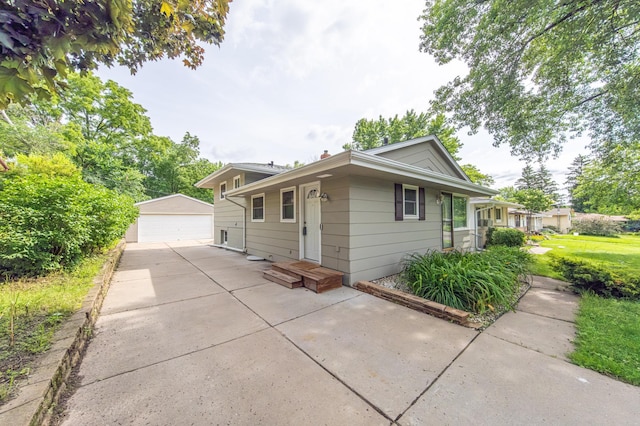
421	205
399	209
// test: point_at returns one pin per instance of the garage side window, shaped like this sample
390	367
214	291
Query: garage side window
257	208
288	205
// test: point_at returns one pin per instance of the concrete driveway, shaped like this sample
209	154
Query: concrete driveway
191	334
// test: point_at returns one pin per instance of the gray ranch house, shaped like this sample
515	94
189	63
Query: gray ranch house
357	212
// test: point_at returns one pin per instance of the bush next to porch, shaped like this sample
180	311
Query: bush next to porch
509	237
473	282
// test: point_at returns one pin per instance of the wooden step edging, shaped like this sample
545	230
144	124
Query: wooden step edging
72	338
282	279
416	303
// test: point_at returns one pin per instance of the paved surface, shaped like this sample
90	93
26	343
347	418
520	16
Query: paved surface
191	334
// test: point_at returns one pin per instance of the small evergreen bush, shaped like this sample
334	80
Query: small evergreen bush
598	227
587	275
509	237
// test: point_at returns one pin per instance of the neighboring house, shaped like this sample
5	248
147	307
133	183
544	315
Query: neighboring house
524	221
490	213
356	212
172	218
559	218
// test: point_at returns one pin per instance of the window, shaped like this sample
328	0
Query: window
459	212
257	208
288	205
236	182
223	189
499	215
410	201
489	214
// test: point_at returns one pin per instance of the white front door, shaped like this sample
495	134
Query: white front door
310	246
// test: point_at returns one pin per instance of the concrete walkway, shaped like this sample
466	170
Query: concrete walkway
191	334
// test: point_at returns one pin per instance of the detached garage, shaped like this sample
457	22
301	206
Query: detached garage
172	218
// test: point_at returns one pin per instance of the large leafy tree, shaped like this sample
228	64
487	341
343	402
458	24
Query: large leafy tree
373	133
42	40
609	184
540	71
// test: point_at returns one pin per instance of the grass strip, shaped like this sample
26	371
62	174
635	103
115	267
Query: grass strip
31	311
608	337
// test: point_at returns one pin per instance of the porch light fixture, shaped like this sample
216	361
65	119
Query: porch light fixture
439	199
324	197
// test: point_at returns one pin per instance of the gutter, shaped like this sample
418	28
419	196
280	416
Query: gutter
244	226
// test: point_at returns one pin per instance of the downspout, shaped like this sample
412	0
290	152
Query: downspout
244	225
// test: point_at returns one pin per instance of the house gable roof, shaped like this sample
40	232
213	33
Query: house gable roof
365	162
430	139
266	169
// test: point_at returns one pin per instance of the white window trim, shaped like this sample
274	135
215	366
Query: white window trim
404	211
221	195
282	191
237	179
264	207
453	211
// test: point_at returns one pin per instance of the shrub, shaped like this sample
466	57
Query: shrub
587	275
468	281
51	222
596	226
509	237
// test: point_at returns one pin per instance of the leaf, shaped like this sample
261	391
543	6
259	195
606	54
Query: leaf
166	9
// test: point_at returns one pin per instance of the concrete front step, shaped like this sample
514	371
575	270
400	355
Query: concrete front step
282	279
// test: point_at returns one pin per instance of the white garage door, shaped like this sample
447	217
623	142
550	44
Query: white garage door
156	228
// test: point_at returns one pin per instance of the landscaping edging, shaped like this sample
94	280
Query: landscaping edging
416	303
48	377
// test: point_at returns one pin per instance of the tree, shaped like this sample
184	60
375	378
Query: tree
373	133
540	179
534	201
476	175
609	184
44	40
575	172
541	71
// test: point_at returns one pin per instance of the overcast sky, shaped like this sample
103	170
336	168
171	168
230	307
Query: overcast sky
292	77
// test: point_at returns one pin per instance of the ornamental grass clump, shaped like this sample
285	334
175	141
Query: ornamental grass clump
474	282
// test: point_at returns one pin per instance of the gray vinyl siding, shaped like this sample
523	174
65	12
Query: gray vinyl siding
335	226
228	217
378	242
272	239
425	156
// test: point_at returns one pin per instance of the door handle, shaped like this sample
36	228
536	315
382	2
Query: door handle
304	230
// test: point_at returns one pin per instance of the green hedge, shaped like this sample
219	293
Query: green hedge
509	237
586	275
51	222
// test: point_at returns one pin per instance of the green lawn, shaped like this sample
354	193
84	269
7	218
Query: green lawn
31	311
619	253
608	330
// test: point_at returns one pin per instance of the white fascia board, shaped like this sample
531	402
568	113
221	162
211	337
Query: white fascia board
365	160
166	197
213	175
312	169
